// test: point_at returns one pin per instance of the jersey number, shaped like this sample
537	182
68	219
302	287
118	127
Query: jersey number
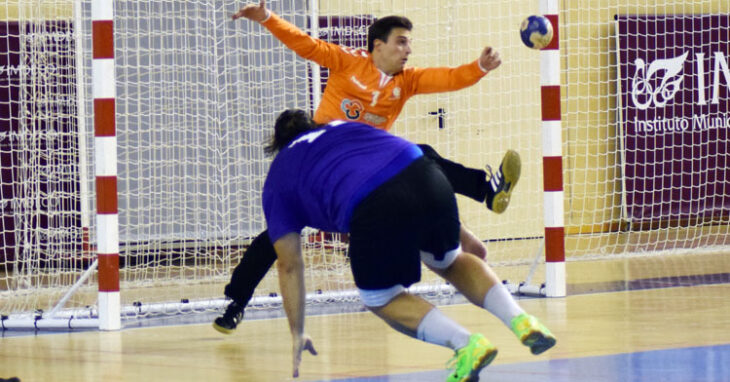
376	94
309	137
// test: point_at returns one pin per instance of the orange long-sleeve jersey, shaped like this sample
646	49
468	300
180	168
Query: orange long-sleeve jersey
356	89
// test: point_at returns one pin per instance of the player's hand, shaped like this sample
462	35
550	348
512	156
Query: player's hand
299	344
489	59
252	12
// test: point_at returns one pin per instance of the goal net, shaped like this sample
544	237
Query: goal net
645	115
44	221
197	95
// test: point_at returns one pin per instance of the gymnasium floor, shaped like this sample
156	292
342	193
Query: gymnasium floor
669	334
706	363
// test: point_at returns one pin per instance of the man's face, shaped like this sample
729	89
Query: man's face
391	56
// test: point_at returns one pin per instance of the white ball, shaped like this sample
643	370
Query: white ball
536	32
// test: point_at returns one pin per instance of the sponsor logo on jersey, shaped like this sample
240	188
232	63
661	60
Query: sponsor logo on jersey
352	109
396	93
374	119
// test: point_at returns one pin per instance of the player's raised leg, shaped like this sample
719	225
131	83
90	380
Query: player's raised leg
503	182
494	188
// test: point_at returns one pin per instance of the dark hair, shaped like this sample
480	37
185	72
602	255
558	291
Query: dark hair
381	28
289	124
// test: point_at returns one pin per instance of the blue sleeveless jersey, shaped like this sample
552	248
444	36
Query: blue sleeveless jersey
321	176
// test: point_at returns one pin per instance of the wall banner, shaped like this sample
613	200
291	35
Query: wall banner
674	116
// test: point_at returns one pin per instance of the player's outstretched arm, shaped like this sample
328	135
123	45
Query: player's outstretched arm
291	282
253	12
310	48
447	79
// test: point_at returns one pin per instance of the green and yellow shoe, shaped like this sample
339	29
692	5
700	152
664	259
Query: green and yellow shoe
503	181
532	333
471	359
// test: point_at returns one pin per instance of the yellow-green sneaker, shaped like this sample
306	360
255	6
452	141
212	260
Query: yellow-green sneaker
503	181
471	359
532	333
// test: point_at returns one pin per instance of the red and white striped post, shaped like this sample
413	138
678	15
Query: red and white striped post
105	153
552	152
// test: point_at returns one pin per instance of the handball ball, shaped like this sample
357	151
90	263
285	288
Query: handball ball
536	32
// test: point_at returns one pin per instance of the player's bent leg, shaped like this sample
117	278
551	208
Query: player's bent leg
503	182
481	286
256	262
471	244
399	309
468	274
415	317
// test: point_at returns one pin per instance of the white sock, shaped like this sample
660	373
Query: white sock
436	328
500	303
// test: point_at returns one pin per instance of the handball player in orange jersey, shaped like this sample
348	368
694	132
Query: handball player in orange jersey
371	86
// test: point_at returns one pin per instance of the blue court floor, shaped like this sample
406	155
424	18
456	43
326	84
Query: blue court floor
694	364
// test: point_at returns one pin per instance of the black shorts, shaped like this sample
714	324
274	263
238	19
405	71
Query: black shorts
412	212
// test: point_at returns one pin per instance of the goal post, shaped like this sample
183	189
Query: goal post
195	95
105	153
552	161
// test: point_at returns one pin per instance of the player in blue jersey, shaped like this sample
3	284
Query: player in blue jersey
399	209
